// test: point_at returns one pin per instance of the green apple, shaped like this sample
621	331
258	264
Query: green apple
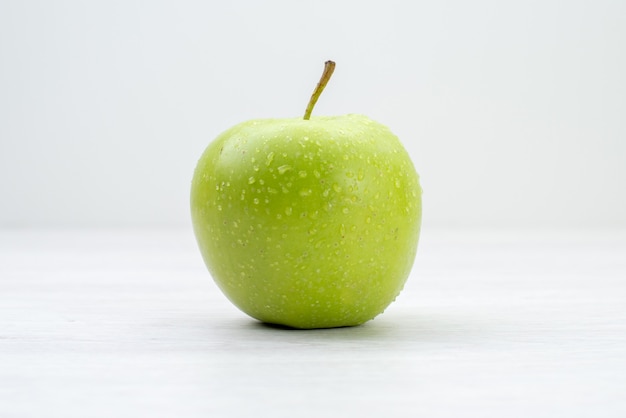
308	222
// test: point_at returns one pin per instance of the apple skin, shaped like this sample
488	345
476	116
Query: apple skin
308	223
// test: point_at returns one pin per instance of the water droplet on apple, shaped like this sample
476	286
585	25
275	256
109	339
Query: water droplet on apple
251	180
288	211
345	210
302	173
283	169
305	192
270	158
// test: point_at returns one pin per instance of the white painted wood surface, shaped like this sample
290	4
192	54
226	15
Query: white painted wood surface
128	323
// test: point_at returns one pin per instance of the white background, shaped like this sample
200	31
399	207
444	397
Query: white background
515	116
514	112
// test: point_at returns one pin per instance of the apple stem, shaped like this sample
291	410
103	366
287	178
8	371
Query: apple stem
329	67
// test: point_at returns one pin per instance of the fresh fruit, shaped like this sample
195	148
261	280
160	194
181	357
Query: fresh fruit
308	222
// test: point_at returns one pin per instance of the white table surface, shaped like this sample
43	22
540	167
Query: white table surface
128	323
